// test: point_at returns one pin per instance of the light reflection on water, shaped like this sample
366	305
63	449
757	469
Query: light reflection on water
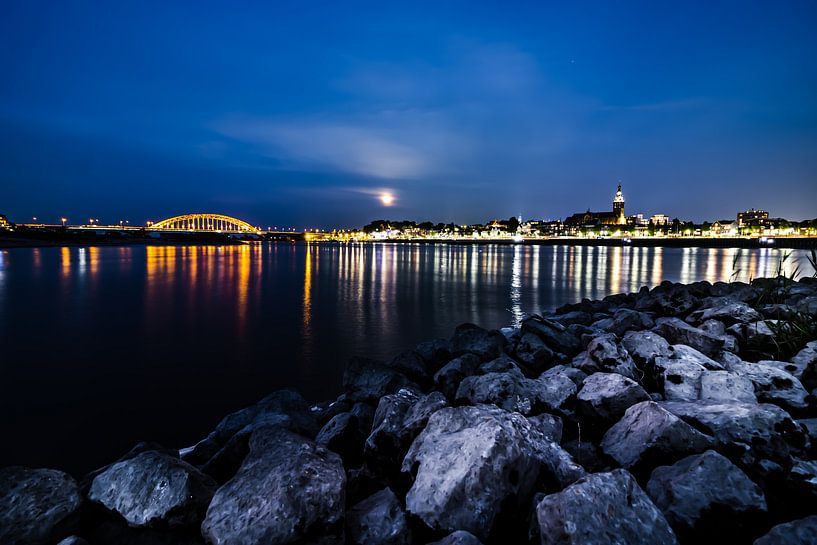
106	346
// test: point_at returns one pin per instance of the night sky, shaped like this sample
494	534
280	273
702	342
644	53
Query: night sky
302	113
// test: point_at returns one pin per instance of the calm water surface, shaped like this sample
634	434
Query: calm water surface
102	347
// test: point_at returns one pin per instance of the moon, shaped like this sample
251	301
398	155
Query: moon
387	199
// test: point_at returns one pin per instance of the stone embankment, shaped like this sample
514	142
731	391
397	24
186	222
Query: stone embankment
682	414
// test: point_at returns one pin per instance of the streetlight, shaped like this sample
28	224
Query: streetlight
63	220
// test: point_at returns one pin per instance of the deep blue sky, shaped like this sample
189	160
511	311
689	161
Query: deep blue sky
301	113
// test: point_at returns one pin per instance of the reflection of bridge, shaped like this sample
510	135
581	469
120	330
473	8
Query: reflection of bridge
204	222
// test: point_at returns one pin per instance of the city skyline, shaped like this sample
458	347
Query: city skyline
332	116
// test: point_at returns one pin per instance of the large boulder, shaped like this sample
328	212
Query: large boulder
602	508
806	359
460	537
705	497
648	436
606	396
645	346
797	532
533	353
472	339
378	520
725	310
513	392
37	506
667	299
676	331
765	429
153	489
773	385
473	465
288	490
726	387
344	434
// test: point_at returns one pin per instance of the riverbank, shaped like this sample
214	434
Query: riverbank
685	413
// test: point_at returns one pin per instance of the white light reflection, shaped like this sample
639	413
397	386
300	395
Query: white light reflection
516	286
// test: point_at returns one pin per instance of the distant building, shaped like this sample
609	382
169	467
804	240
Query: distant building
660	219
724	228
4	222
751	216
637	219
616	217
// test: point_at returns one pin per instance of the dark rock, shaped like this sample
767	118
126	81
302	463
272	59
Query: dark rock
37	506
435	353
449	377
667	300
472	339
397	421
796	532
713	327
555	335
677	331
795	369
533	353
549	425
588	455
73	540
803	480
502	364
602	508
411	365
774	386
765	429
153	489
807	305
624	320
344	435
736	291
378	520
287	490
473	463
574	317
605	396
510	391
648	435
460	537
682	352
368	380
706	497
285	408
604	354
576	375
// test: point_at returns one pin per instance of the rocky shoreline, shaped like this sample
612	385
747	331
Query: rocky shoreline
682	414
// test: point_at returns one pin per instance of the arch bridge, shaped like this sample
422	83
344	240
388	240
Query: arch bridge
205	222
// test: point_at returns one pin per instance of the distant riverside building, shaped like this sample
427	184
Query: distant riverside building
616	217
724	228
660	219
4	222
751	216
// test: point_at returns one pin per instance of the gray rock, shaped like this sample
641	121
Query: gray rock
807	360
152	489
510	391
448	378
727	311
471	462
667	300
411	365
37	506
502	364
604	354
795	369
645	346
803	479
807	305
677	331
549	425
624	320
73	540
555	335
682	380
682	352
705	497
435	353
773	385
576	375
648	435
573	317
472	339
460	537
602	508
766	429
287	490
606	396
726	387
378	520
796	532
736	291
713	327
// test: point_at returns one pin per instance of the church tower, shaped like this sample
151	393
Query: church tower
618	207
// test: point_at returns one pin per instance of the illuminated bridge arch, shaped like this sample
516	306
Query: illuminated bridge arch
205	222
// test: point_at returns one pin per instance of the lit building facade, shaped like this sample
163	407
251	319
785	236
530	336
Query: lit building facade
751	216
616	217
